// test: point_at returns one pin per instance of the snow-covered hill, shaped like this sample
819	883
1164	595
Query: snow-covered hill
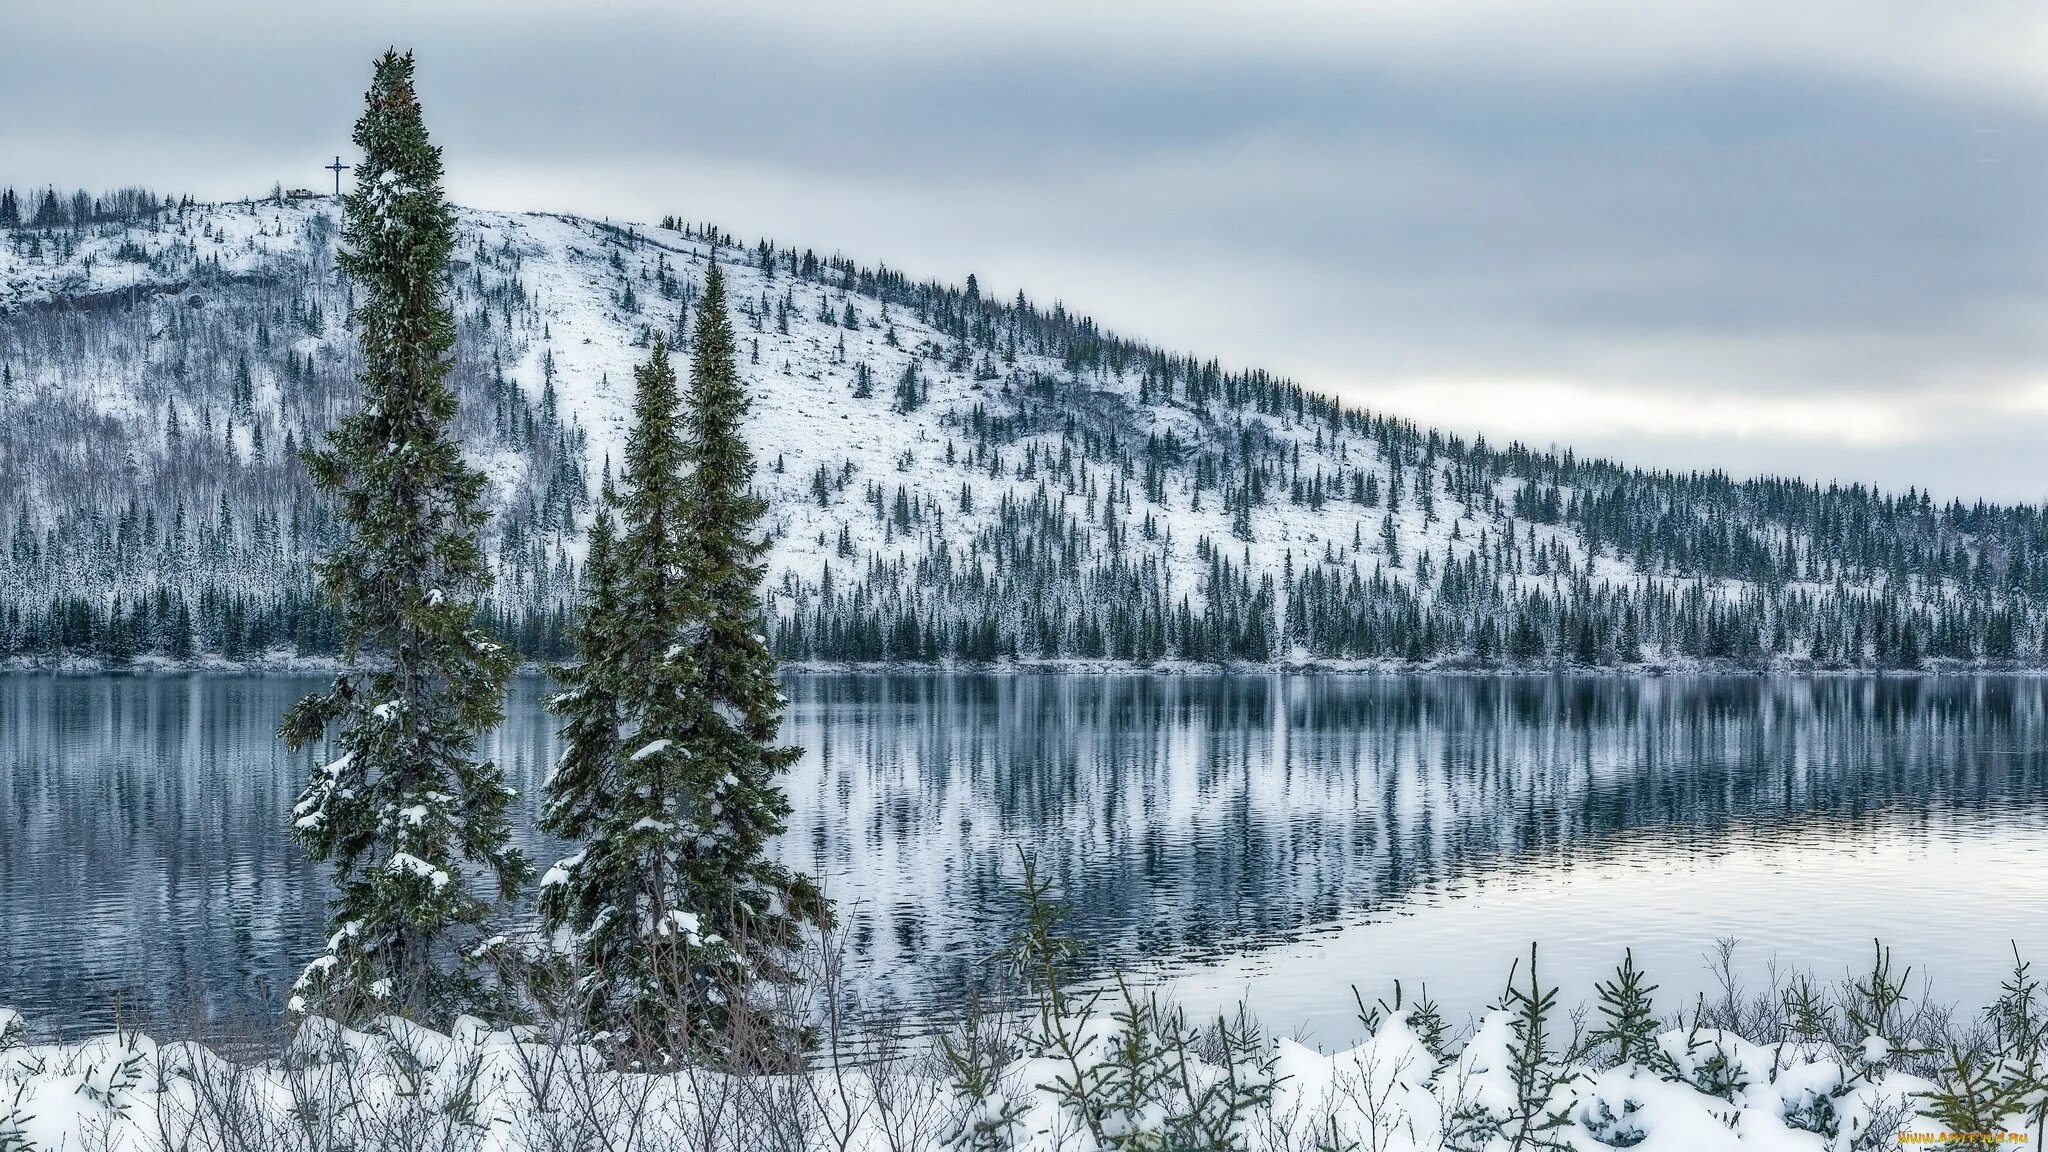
950	476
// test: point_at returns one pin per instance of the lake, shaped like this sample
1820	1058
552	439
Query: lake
1273	838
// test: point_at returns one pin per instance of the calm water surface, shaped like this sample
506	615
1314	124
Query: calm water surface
1272	838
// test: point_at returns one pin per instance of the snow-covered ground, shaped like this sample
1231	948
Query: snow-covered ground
395	1087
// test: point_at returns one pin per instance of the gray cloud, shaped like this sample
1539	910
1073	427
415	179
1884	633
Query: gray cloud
1807	241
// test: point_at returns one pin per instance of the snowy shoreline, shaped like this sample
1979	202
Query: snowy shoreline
392	1084
1863	1063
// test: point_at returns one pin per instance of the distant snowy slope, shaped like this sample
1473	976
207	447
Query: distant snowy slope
950	477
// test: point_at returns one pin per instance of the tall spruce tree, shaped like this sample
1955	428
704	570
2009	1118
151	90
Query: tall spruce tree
624	905
653	974
405	812
671	912
735	757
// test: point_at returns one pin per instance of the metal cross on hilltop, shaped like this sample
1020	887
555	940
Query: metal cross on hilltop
337	168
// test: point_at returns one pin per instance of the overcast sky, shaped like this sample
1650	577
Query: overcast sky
1801	237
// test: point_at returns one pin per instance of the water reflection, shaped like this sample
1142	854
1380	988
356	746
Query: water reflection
1189	819
1194	818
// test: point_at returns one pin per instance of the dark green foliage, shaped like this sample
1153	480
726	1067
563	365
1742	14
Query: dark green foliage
1718	1073
1809	1018
1975	1095
1134	1088
1427	1019
49	213
977	1057
735	760
640	939
1630	1025
1532	1065
910	389
583	787
1044	956
1877	1006
675	914
1997	1084
404	808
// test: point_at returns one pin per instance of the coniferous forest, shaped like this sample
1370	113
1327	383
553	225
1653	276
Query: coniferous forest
421	446
951	476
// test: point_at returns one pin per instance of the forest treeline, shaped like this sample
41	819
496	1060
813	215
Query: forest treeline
163	362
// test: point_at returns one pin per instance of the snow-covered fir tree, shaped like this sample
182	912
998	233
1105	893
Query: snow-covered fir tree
734	757
623	908
584	897
671	913
405	811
